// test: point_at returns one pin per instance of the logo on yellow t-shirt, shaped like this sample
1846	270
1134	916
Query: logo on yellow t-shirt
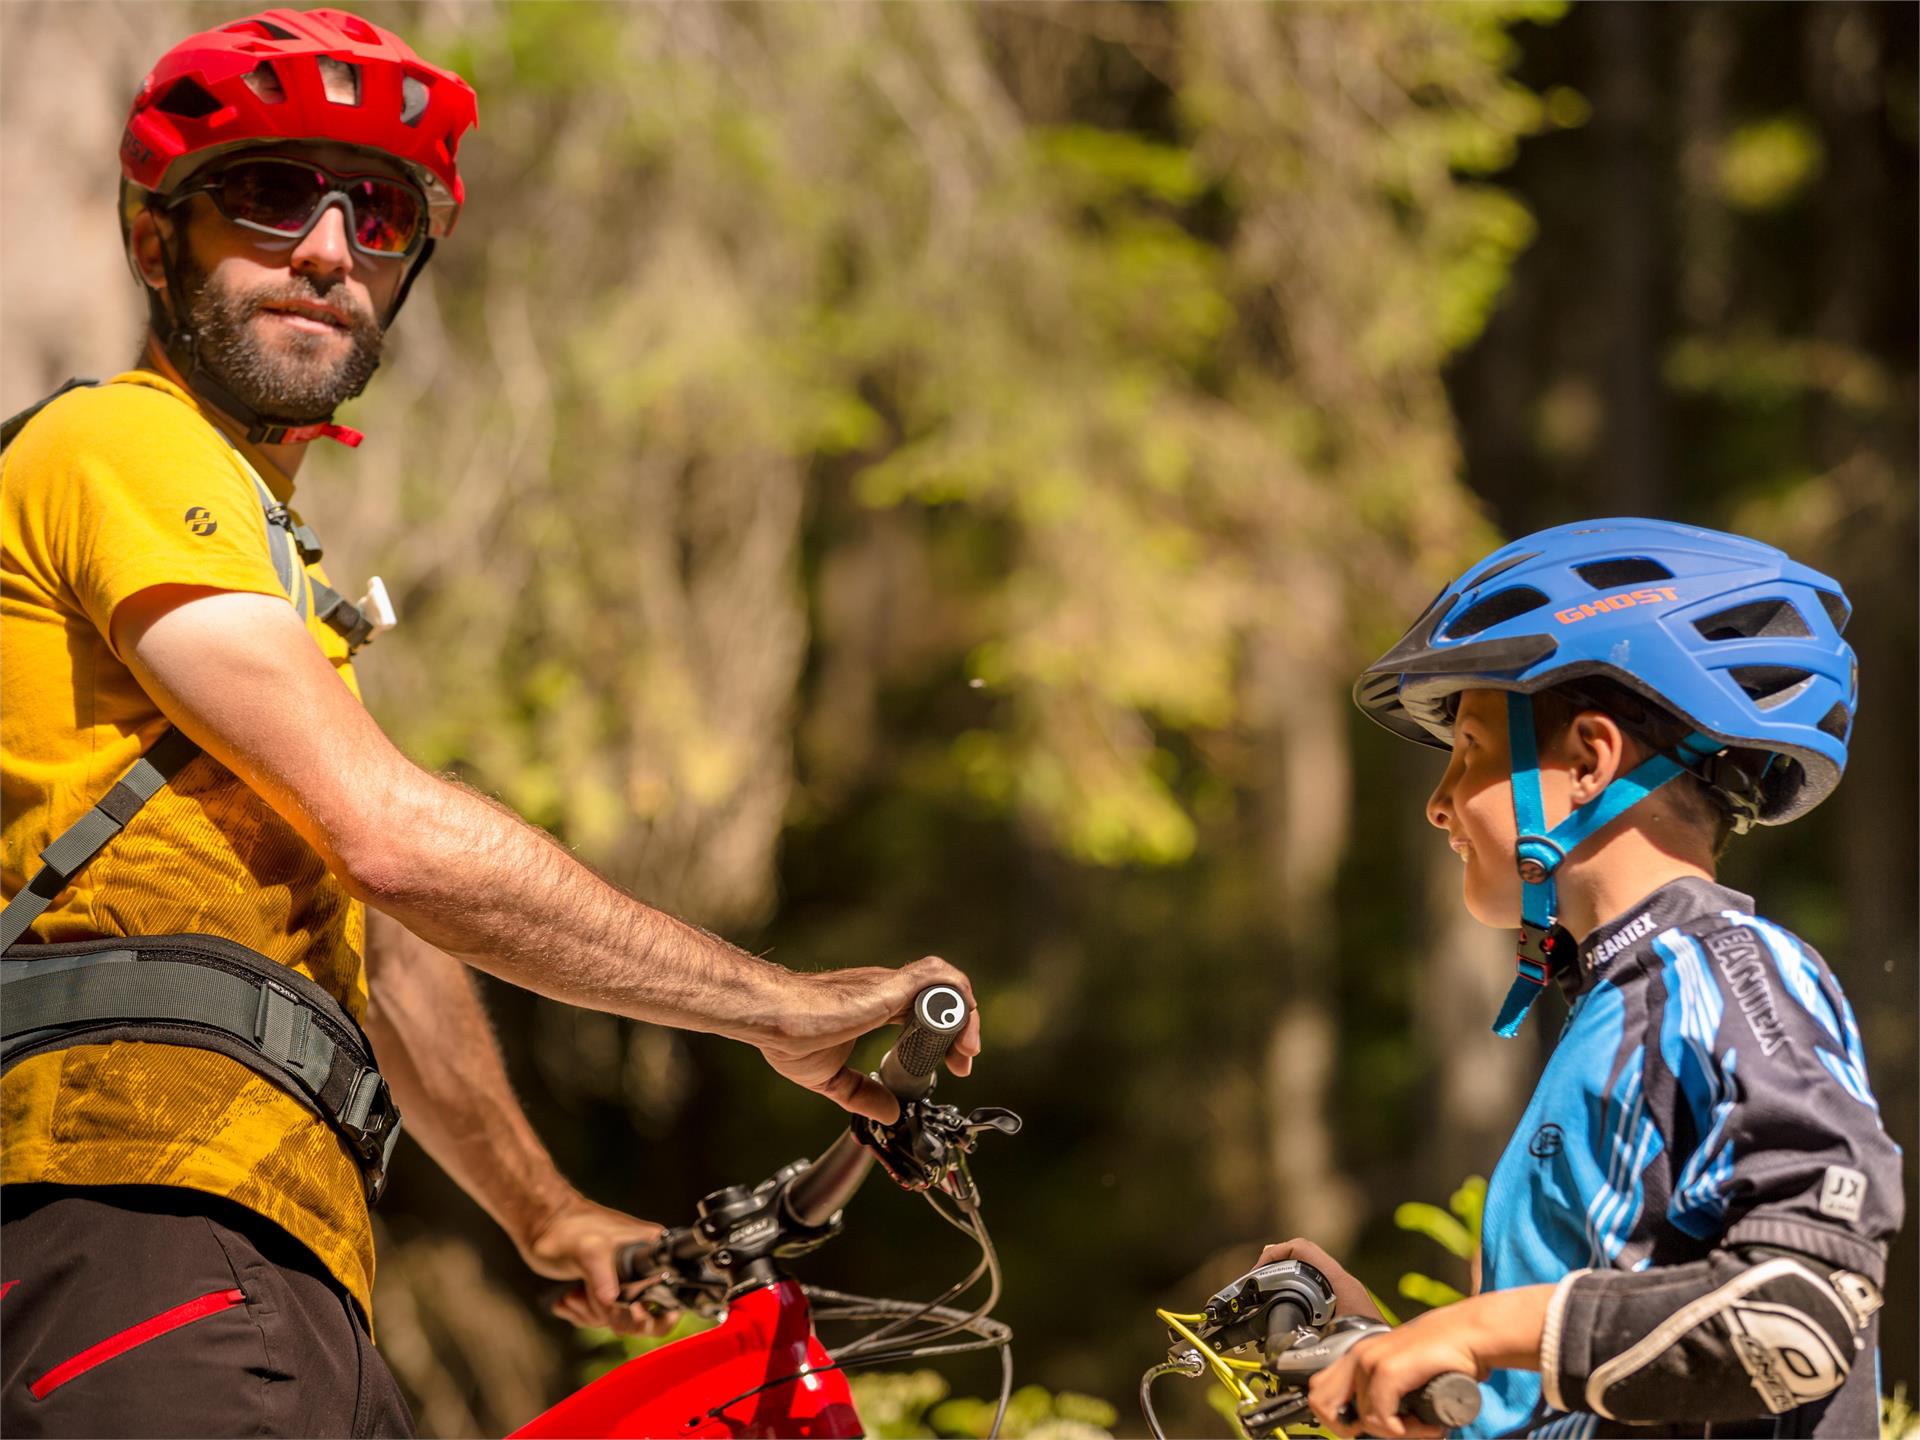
200	520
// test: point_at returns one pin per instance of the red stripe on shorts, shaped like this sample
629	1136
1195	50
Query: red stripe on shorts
209	1304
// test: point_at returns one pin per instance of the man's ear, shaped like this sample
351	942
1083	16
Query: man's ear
144	239
1596	749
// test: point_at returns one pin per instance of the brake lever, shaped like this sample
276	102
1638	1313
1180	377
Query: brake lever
930	1140
993	1117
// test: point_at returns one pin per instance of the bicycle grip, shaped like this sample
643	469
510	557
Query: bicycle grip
1449	1401
631	1264
938	1016
644	1258
1283	1319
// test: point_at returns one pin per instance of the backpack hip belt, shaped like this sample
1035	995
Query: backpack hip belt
211	993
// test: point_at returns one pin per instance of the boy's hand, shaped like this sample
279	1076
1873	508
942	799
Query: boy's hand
1350	1297
1499	1331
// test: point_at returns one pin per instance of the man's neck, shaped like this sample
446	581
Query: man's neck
285	459
1617	870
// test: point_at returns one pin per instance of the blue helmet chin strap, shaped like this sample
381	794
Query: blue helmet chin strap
1540	851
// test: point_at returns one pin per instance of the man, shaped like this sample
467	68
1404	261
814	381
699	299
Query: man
187	1243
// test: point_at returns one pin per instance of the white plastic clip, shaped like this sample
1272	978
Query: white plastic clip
377	606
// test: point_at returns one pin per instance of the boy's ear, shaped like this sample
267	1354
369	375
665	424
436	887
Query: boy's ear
1596	753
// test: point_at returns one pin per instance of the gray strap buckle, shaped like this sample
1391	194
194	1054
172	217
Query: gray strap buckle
372	1121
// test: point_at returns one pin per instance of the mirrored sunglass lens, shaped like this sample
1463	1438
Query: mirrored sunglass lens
386	216
280	197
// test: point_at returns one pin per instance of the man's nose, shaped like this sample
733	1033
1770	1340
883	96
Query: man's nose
324	251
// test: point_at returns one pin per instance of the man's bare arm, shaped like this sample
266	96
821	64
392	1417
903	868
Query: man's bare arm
438	1052
240	675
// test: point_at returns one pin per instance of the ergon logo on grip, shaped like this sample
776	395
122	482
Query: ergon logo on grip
1625	600
940	1008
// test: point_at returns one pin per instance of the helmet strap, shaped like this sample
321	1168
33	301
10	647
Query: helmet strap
1539	852
406	281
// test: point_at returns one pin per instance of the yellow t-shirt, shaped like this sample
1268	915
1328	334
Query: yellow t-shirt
105	493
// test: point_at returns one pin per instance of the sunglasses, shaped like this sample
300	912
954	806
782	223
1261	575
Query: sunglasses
277	196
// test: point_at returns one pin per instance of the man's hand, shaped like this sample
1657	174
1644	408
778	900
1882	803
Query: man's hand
1350	1297
831	1010
579	1242
1496	1331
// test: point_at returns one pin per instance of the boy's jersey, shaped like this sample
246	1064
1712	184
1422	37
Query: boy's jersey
1709	1090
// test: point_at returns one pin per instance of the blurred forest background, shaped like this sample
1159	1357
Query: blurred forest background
880	479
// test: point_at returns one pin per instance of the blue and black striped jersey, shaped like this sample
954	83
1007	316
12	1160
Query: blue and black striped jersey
1707	1096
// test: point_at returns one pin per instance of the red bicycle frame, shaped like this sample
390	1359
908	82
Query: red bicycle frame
762	1371
711	1384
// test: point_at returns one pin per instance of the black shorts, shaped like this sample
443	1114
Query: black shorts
152	1310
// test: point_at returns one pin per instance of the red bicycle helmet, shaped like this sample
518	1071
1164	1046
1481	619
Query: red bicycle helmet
284	76
290	75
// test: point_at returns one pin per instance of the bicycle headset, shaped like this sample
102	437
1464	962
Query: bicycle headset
249	84
282	77
1733	637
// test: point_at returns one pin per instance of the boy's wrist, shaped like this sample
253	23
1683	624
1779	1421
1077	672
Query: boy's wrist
1505	1327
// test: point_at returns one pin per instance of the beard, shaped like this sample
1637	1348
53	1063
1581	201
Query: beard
292	376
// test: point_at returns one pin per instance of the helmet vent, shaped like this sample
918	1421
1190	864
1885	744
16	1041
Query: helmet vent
1771	619
1505	565
340	79
414	95
264	81
1612	574
189	99
357	29
1494	610
1836	722
1770	686
256	25
1836	607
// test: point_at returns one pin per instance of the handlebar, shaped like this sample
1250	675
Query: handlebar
938	1016
1449	1400
808	1195
1287	1309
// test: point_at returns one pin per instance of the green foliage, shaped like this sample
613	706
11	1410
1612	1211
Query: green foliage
1766	164
604	1350
913	1404
1898	1420
1123	362
1455	1229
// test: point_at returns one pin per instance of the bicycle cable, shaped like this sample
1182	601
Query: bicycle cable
989	1266
1191	1367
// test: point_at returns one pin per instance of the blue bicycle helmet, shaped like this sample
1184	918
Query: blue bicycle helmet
1731	636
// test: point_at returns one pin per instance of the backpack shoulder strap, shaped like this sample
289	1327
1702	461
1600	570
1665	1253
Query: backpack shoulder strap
16	423
62	860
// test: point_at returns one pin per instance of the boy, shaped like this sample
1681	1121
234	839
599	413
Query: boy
1688	1231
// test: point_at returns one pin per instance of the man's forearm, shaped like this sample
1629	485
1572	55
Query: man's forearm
438	1052
473	879
240	675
